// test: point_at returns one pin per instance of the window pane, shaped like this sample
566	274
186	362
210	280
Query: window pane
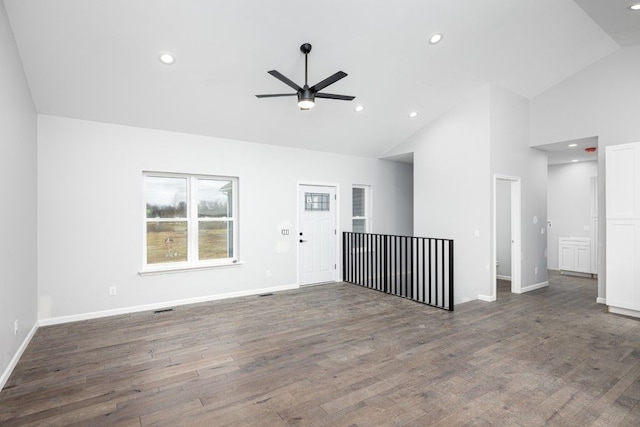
358	202
165	197
316	202
215	198
166	242
215	239
359	226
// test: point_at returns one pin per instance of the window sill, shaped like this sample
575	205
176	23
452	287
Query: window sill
184	268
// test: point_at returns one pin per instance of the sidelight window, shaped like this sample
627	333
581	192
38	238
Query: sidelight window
361	210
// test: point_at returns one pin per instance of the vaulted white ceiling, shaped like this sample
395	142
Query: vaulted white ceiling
98	60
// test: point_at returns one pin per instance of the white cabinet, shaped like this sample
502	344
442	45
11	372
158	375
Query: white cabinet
623	268
623	228
623	181
575	254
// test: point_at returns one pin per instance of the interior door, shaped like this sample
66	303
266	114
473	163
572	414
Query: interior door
317	234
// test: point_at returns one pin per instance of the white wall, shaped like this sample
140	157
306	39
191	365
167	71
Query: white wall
503	228
18	193
91	205
455	159
602	100
451	188
569	208
511	155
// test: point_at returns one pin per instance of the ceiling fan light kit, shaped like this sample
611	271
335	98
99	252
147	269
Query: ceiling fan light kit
306	100
307	95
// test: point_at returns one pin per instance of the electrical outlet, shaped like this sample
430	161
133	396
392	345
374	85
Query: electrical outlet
112	291
535	270
15	327
268	273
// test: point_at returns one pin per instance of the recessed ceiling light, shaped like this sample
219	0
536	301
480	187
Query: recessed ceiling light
435	38
413	114
358	109
574	160
573	145
635	7
167	58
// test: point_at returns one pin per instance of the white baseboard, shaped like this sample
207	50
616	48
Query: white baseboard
624	311
14	360
487	298
575	273
501	277
600	300
534	287
161	305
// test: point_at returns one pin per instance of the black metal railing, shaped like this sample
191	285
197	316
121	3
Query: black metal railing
417	268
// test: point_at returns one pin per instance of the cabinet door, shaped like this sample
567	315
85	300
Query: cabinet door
623	269
583	258
594	245
623	181
567	258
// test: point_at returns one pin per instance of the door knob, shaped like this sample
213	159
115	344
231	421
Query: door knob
302	241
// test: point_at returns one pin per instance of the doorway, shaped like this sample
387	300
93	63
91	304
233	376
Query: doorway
317	234
506	233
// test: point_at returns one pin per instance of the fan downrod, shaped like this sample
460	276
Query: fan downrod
305	48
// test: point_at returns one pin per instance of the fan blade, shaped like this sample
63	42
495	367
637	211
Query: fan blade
275	95
328	81
278	75
332	96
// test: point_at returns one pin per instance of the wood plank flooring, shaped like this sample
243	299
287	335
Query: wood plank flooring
338	355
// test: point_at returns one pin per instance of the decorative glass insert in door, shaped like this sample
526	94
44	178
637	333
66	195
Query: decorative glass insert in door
316	201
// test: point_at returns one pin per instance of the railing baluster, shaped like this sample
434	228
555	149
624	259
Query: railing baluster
430	271
395	265
451	275
364	259
344	263
370	256
409	246
357	258
379	262
384	264
424	297
406	269
443	275
436	282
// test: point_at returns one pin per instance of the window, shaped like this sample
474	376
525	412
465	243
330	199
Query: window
316	202
190	220
361	211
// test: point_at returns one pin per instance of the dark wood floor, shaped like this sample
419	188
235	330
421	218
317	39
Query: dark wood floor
338	355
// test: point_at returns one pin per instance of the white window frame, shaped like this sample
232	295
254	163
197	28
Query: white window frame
192	220
367	207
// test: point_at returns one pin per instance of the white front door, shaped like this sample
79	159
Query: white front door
317	234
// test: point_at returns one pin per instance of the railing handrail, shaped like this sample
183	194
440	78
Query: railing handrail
398	235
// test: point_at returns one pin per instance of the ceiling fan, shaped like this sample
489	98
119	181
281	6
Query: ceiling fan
307	95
